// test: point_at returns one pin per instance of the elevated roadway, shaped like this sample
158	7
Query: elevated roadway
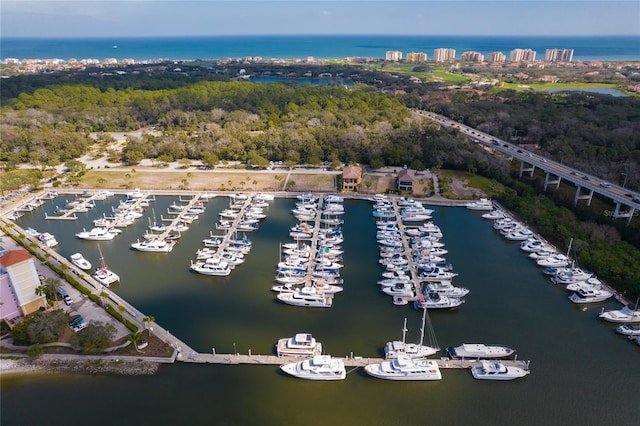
626	201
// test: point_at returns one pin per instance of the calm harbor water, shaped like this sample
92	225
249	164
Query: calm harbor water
582	372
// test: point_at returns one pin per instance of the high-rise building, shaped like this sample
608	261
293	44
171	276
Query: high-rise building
496	57
522	55
393	55
416	57
444	55
558	55
472	56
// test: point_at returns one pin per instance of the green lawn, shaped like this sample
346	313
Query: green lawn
439	73
490	187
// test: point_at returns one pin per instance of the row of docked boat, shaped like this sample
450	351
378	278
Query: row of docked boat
404	363
414	256
222	253
308	273
584	286
45	238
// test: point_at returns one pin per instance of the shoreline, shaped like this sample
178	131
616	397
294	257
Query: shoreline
20	366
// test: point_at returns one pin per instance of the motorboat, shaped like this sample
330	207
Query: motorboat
496	370
79	260
543	254
326	288
135	194
397	348
629	329
554	261
400	289
532	245
320	367
521	234
302	344
154	246
570	275
445	288
623	315
432	300
48	239
405	368
436	274
481	204
590	295
494	214
212	266
97	234
589	283
307	297
479	351
32	232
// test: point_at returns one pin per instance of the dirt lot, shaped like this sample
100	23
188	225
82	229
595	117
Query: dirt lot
212	180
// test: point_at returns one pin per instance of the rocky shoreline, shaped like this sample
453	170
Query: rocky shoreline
93	366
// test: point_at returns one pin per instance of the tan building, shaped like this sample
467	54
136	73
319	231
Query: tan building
416	57
496	57
18	283
393	55
558	55
522	55
406	177
444	55
472	57
351	178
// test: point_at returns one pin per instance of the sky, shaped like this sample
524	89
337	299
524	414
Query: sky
124	18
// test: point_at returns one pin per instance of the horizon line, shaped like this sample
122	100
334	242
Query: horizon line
312	35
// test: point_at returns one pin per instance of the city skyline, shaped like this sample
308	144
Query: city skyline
81	18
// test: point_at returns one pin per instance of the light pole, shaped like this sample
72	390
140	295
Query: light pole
625	179
234	349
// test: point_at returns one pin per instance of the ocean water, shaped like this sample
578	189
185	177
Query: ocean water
623	48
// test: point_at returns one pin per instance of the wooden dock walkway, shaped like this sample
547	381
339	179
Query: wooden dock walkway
311	265
83	206
349	361
233	230
415	281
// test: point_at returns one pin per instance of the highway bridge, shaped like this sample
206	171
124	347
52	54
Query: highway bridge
626	201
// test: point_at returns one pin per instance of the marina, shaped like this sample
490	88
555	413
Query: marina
235	317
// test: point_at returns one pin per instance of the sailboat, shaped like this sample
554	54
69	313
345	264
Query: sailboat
397	348
104	275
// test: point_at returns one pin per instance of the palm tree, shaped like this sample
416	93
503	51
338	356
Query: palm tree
53	284
148	319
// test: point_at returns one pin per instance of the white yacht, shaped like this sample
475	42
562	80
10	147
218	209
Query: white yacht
307	297
590	295
97	234
479	351
405	368
396	348
570	275
400	289
320	367
481	204
212	266
555	261
79	260
302	344
495	370
47	239
435	301
136	193
446	288
494	214
155	246
623	315
629	329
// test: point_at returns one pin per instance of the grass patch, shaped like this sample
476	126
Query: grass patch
455	179
438	74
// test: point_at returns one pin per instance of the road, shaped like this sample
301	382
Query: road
616	193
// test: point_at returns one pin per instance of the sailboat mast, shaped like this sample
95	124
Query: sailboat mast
424	317
404	330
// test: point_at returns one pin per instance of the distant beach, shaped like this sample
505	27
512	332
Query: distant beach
610	48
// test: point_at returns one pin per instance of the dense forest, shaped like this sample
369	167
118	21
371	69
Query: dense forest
262	122
599	134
